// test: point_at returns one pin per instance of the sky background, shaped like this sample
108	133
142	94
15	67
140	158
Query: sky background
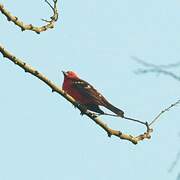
42	136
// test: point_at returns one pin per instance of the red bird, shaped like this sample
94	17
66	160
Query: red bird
86	94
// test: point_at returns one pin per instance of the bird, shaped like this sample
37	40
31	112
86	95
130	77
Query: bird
85	94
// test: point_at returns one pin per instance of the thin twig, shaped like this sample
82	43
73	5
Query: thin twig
127	118
135	120
49	4
38	30
163	111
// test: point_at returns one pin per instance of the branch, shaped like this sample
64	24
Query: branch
140	61
159	69
49	23
174	164
27	68
163	111
178	177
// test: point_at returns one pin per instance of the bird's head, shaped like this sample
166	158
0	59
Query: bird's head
70	75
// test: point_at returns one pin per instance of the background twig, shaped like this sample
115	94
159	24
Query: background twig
158	69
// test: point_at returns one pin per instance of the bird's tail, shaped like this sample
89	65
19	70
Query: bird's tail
114	109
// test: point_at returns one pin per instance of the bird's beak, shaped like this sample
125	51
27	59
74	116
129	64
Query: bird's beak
65	73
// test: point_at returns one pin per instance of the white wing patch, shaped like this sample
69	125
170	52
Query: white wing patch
88	87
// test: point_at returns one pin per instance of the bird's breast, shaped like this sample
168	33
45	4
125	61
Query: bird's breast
75	93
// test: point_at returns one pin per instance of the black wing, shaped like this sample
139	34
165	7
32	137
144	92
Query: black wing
89	92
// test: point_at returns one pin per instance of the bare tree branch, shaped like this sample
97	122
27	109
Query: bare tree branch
94	117
49	23
163	111
57	89
178	177
158	69
140	61
161	69
174	164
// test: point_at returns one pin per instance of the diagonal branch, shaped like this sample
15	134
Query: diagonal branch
49	23
174	164
163	111
27	68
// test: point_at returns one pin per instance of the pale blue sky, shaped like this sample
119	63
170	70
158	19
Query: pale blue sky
42	137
